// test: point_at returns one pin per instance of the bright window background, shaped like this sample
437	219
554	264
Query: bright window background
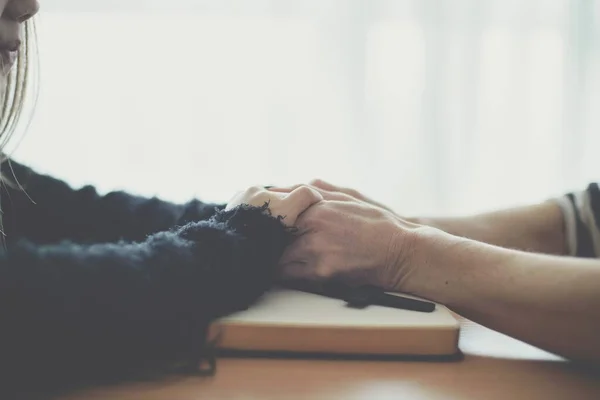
429	106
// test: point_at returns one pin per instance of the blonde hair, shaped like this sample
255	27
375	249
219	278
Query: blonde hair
18	83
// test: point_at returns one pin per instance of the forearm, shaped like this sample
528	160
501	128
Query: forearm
549	301
536	228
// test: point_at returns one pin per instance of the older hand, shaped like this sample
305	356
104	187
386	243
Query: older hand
349	239
332	192
286	205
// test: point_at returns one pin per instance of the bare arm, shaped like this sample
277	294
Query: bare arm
569	225
489	268
548	301
536	228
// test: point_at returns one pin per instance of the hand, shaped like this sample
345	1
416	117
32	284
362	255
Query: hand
332	192
353	241
286	205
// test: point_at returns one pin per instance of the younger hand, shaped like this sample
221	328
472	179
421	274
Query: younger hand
288	205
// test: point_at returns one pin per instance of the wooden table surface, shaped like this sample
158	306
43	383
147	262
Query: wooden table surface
494	367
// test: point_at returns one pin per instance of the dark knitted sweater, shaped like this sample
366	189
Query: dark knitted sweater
104	287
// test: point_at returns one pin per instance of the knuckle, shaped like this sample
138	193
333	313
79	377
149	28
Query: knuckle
254	189
343	196
378	212
299	195
311	193
352	192
304	189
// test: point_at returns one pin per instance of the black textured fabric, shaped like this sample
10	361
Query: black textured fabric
46	210
76	308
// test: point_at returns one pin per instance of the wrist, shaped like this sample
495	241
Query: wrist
421	258
454	226
431	259
452	270
409	253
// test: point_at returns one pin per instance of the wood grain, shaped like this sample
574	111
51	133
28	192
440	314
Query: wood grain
495	368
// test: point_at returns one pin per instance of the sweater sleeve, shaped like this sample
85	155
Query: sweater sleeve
581	212
70	313
47	210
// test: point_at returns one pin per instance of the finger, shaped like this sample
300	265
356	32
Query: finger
302	198
21	10
335	196
283	189
327	195
346	190
234	201
321	184
332	196
316	183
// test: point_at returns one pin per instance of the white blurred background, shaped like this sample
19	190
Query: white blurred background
433	107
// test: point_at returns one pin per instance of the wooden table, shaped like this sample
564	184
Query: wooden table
494	367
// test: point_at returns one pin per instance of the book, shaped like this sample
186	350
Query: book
294	321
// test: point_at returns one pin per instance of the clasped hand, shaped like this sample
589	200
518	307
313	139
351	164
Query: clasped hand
341	234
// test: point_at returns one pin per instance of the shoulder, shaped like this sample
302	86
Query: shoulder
13	172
